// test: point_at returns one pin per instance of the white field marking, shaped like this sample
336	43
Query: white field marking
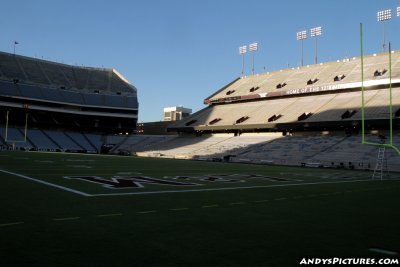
109	215
80	166
66	219
10	224
281	198
298	197
384	251
237	203
210	206
80	160
178	209
45	161
129	173
261	201
47	183
145	211
235	188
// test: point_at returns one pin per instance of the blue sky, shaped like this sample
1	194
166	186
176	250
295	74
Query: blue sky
178	52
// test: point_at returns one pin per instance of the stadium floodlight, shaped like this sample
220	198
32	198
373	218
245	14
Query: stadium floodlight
242	51
315	32
384	16
301	36
253	48
398	11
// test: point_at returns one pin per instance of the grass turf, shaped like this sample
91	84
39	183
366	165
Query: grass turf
267	226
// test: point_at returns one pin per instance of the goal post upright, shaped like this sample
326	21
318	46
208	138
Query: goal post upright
363	141
25	128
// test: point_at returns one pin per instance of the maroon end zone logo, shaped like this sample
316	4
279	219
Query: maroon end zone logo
118	182
121	182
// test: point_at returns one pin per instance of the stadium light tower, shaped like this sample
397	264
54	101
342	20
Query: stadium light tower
253	48
384	16
315	32
242	51
301	36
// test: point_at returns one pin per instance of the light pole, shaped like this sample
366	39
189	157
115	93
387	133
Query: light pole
301	36
315	32
383	16
253	48
242	51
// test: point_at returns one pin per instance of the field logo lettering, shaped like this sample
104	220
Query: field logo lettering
120	182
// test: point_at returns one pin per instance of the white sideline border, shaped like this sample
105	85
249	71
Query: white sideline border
46	183
181	191
231	188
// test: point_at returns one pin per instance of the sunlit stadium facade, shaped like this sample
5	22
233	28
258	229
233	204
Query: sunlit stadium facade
325	96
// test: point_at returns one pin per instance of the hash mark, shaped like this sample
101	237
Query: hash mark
210	206
146	211
109	215
11	224
66	219
179	209
237	203
260	201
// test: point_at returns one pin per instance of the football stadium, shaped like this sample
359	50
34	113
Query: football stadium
279	167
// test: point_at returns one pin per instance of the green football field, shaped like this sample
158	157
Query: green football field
91	210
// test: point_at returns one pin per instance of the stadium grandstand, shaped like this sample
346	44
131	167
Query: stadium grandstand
303	116
50	106
308	116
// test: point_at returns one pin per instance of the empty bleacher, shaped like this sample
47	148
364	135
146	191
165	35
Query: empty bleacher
50	140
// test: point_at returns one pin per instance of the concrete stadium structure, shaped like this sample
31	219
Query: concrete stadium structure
309	116
47	96
314	97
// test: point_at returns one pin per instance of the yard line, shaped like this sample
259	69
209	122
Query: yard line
282	198
384	251
261	201
178	209
145	211
109	215
66	219
210	206
47	183
237	203
11	224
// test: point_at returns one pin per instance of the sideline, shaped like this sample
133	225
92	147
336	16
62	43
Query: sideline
235	188
47	183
